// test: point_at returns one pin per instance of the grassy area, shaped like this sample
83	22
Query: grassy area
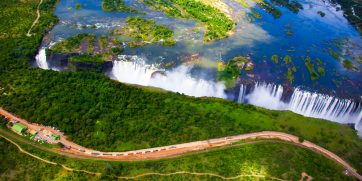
217	24
230	72
288	162
167	7
117	5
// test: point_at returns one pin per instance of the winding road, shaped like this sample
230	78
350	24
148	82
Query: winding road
36	19
75	150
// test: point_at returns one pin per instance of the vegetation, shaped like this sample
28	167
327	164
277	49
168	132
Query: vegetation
86	58
78	6
106	115
230	72
352	10
117	5
290	75
293	6
310	66
320	68
167	7
217	24
146	31
268	7
321	13
90	48
349	65
251	159
275	58
287	59
69	45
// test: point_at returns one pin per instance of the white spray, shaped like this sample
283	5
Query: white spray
41	59
177	80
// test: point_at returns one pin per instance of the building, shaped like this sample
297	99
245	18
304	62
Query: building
32	132
19	128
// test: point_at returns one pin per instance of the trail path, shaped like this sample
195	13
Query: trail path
143	174
36	20
178	149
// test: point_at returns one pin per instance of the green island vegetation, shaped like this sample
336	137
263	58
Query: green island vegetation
166	7
217	23
293	6
359	59
145	31
290	75
71	44
321	13
291	68
103	114
118	5
320	68
289	32
336	50
287	59
310	66
289	162
275	58
78	6
84	46
253	15
230	71
268	7
349	65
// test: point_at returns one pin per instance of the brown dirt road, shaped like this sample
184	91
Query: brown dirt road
178	149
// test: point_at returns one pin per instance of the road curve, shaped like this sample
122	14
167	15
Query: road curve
178	149
28	34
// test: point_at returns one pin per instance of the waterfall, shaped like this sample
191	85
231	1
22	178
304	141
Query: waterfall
306	103
41	59
130	69
242	92
266	95
324	107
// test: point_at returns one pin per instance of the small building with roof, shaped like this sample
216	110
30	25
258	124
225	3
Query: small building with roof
19	128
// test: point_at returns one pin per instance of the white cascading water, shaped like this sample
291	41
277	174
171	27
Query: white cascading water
131	69
305	103
41	59
266	95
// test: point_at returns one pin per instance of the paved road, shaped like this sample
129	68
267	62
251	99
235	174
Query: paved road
173	150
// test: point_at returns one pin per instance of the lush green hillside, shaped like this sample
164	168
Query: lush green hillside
278	160
103	114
